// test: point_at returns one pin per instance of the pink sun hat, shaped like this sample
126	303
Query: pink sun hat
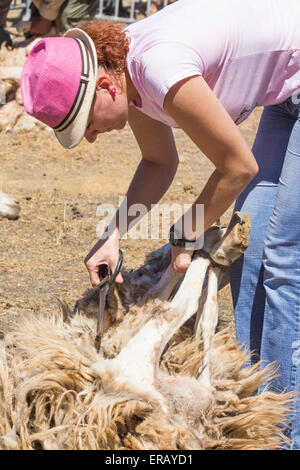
58	84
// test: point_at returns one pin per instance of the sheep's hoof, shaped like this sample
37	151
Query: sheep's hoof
234	242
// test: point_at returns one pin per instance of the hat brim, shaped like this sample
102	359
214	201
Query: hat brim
71	134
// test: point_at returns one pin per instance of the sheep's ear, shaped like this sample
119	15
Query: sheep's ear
88	302
65	310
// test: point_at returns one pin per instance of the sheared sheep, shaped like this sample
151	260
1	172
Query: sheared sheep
145	390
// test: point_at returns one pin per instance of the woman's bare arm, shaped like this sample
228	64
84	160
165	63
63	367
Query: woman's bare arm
199	113
159	162
150	182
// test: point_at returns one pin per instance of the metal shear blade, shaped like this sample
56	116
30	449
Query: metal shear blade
107	278
102	300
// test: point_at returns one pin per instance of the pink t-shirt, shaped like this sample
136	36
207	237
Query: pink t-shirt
248	52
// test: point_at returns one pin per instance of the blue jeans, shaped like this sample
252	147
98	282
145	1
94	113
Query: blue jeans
265	281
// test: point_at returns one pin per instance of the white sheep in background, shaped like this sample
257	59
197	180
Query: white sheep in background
13	116
9	208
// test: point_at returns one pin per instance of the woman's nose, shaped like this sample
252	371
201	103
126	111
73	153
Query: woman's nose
90	136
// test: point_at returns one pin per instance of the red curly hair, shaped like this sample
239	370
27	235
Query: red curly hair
112	44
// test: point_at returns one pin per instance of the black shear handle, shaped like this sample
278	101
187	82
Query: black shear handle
105	271
118	267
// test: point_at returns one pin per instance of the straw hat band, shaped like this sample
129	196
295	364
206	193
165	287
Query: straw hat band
81	90
75	108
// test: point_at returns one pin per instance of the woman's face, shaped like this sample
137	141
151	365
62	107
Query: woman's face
109	110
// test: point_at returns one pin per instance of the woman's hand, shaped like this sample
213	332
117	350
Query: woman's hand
104	252
181	259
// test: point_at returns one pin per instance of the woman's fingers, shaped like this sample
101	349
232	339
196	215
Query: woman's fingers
119	279
93	268
94	276
181	259
105	254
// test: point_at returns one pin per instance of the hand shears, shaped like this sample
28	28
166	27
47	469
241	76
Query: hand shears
106	279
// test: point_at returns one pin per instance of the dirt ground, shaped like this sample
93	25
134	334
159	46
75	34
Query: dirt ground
41	253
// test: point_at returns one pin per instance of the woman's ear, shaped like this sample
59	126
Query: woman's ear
103	82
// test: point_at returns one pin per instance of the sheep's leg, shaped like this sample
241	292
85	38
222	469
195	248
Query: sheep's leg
233	241
166	321
135	366
198	325
208	322
223	281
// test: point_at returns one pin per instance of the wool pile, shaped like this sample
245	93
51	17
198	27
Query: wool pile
51	396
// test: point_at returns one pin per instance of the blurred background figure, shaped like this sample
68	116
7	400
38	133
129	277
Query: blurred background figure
55	17
63	14
4	35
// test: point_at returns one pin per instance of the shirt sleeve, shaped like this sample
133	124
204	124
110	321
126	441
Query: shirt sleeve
165	64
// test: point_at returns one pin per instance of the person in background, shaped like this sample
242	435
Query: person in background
64	14
4	35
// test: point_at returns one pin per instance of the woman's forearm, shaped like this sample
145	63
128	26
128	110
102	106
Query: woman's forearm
149	184
217	196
